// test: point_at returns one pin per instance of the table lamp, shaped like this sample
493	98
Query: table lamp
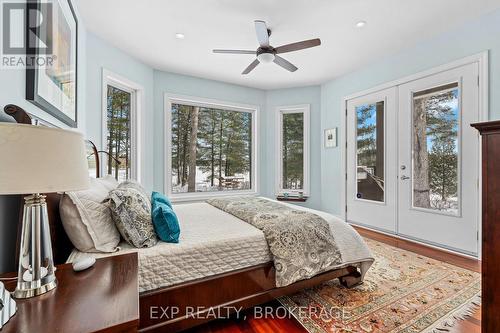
36	160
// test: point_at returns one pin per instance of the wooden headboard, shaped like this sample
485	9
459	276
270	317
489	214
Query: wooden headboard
61	245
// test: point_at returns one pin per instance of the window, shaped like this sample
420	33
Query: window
293	150
120	130
210	148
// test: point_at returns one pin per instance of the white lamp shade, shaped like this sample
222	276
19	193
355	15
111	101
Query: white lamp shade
36	159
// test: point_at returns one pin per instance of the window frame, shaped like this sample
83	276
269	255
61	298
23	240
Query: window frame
170	99
280	111
136	106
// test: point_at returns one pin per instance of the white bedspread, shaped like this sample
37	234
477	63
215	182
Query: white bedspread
214	242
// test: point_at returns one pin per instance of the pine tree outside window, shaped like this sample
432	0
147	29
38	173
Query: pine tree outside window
292	129
118	138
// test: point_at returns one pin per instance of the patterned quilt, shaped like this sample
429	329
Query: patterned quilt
300	242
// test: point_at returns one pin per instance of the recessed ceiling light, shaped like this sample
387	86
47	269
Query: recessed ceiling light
360	24
179	35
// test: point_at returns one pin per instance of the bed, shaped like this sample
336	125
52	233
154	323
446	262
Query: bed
214	242
220	262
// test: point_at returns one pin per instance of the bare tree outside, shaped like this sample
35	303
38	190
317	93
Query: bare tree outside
421	184
193	142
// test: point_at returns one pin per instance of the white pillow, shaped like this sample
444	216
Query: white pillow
87	220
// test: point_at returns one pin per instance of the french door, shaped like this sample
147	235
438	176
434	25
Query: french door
427	187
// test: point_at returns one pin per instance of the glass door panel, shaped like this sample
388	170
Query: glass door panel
370	151
371	160
436	149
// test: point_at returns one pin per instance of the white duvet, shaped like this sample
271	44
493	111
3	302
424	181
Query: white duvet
214	242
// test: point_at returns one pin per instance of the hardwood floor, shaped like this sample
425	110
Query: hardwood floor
251	324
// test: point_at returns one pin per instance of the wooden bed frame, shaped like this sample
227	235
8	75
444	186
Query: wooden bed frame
196	300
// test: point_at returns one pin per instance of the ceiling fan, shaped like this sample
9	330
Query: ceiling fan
266	53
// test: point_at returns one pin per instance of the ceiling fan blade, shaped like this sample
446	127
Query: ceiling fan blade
285	64
251	66
298	46
234	51
262	34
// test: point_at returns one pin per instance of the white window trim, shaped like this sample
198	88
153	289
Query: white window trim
280	110
137	106
170	99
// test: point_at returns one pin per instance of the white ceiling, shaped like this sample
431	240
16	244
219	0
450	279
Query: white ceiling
146	30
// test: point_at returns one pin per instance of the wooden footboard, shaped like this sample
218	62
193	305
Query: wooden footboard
185	305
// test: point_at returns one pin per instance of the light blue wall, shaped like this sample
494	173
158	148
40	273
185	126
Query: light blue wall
294	96
102	55
191	86
474	37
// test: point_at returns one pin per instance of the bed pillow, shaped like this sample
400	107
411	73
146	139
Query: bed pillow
135	185
164	219
87	220
131	212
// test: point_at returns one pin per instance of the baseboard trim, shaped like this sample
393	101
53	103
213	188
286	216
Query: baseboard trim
416	241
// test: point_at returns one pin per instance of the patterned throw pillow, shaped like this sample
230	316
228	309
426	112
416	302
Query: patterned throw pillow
131	212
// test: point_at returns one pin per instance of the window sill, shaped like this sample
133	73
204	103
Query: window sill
292	199
200	196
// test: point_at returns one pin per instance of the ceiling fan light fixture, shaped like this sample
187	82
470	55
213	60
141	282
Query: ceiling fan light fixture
266	57
266	53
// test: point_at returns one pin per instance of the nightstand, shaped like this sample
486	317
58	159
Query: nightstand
104	298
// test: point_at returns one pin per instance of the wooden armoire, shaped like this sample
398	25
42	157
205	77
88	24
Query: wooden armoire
490	267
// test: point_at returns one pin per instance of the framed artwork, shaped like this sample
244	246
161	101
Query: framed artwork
53	86
331	137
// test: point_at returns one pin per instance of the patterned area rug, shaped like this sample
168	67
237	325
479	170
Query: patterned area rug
402	292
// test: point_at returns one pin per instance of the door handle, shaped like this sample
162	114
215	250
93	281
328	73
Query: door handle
405	177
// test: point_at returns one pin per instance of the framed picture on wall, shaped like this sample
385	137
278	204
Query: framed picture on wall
51	79
331	137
